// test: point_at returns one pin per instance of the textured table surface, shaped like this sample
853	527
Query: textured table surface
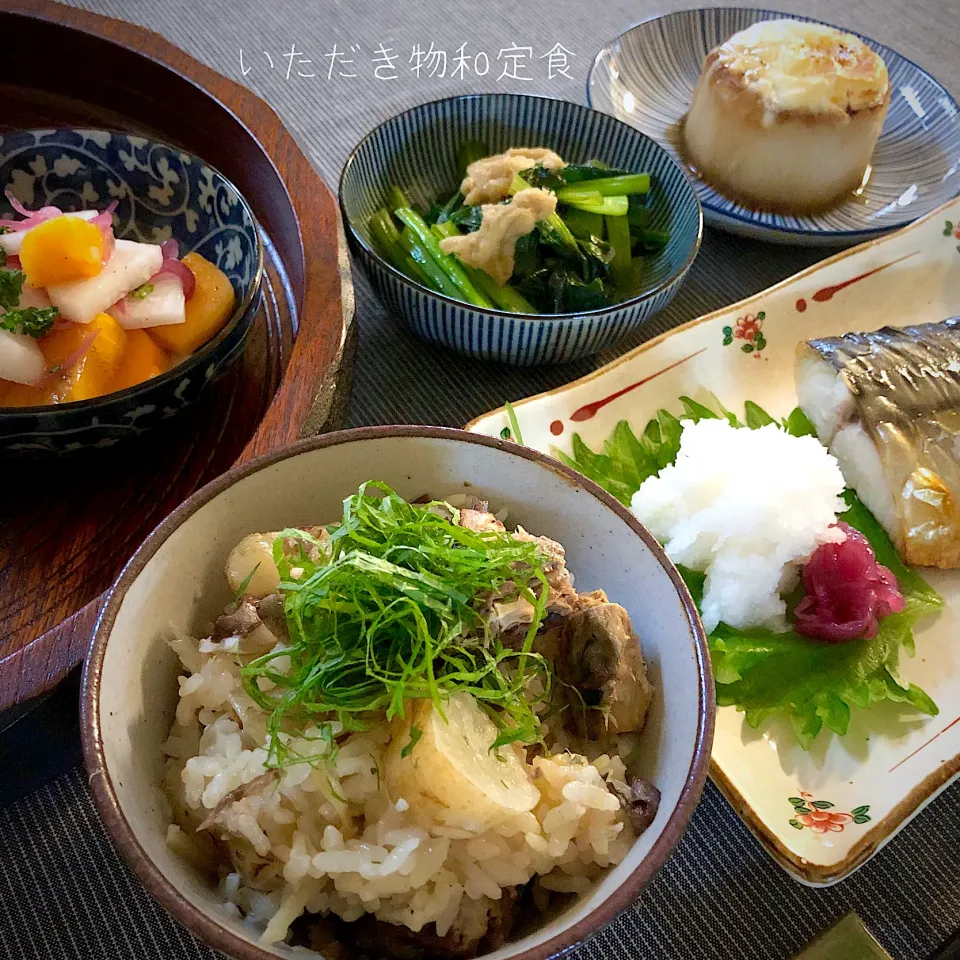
63	891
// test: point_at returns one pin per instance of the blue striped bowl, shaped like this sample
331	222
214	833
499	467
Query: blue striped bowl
417	151
646	78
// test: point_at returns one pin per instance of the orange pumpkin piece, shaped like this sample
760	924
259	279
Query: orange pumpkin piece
20	395
93	374
90	376
207	310
62	250
142	359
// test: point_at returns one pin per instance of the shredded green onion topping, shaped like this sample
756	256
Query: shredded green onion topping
392	610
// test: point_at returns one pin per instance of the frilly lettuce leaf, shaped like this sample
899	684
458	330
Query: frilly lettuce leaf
809	683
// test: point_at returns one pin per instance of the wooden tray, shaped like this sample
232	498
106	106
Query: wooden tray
67	527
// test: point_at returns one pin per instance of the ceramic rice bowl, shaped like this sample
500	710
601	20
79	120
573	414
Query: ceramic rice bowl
175	582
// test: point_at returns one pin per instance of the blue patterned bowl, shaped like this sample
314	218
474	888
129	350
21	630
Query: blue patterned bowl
162	193
646	78
417	151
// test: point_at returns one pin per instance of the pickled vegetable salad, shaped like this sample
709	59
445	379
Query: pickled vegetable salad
83	314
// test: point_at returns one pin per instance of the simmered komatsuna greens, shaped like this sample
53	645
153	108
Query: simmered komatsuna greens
581	243
387	609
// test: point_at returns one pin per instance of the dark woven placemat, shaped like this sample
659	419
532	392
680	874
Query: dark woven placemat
64	892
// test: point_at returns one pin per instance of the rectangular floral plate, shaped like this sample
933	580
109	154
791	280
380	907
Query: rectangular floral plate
822	813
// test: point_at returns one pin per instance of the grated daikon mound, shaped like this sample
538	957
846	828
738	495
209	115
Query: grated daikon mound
746	507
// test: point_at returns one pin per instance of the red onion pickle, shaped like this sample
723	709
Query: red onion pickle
59	369
34	217
180	270
34	220
16	204
104	220
847	591
170	249
109	243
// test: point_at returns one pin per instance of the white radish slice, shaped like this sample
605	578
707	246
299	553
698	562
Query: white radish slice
131	265
164	305
20	359
11	242
33	297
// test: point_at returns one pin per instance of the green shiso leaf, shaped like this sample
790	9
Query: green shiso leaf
755	416
808	683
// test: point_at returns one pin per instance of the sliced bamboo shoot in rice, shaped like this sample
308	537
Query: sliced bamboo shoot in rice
452	769
131	265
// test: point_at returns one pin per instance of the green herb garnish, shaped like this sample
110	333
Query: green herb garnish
143	291
242	589
11	288
32	321
391	609
514	423
415	734
808	683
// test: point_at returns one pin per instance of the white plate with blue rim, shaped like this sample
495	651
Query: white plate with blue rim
646	78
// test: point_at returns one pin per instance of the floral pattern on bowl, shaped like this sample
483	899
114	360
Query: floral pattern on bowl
162	192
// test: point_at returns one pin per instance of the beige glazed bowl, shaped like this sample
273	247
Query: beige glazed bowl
175	582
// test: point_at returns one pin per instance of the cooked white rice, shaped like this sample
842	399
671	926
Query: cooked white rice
326	837
746	507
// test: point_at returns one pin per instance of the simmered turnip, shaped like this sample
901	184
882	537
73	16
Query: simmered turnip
161	306
131	265
20	359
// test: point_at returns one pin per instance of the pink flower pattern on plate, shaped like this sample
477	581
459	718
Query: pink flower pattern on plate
952	230
819	817
749	329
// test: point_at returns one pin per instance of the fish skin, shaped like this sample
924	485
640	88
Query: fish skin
906	388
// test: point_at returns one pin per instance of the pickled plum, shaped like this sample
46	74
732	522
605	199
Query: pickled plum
847	591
